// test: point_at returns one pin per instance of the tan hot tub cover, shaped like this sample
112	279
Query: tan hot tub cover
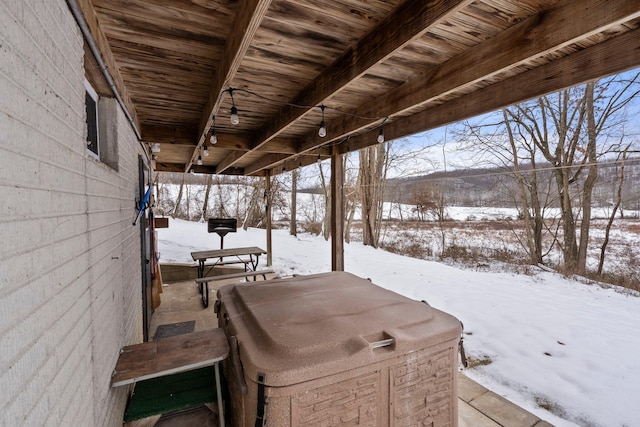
334	349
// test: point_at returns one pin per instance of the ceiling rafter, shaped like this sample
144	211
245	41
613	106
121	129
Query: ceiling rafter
531	38
409	22
613	56
231	141
246	23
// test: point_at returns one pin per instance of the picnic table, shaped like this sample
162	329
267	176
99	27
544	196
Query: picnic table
173	355
248	256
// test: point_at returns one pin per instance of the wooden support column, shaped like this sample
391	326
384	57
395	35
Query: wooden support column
337	211
267	200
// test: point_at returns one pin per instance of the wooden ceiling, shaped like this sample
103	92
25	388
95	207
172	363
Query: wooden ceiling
404	66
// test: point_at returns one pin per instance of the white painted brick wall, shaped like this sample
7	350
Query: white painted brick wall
70	294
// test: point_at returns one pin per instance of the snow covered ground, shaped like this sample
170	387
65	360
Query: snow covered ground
552	341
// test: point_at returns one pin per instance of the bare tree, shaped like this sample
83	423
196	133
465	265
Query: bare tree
614	211
205	204
293	208
373	174
176	207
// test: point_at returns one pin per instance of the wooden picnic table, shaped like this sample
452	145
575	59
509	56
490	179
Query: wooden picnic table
253	252
167	356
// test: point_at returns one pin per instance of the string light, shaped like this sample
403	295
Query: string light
213	137
322	132
199	160
205	151
381	136
234	111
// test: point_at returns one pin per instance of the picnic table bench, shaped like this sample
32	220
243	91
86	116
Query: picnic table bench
172	373
248	256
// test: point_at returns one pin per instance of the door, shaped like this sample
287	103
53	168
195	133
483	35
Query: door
146	250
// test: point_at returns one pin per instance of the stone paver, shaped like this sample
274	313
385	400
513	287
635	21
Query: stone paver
468	416
469	389
502	411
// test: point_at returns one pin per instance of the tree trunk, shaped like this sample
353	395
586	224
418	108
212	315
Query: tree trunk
607	230
373	161
592	175
326	220
205	204
294	195
177	205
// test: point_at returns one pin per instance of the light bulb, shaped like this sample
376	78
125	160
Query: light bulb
214	136
380	136
234	116
322	132
199	160
206	151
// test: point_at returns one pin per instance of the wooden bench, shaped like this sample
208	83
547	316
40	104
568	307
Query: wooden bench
203	282
171	373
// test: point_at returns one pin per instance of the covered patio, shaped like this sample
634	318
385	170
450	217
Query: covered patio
261	87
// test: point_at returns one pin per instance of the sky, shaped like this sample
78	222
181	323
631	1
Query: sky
439	149
550	339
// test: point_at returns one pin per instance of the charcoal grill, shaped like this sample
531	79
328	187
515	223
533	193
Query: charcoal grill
222	226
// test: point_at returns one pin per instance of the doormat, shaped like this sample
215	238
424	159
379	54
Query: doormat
173	329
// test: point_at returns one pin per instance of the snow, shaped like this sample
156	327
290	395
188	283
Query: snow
551	340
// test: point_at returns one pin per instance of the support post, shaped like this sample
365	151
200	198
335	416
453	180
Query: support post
267	202
337	211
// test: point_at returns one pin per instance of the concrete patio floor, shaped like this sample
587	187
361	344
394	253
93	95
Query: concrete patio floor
477	406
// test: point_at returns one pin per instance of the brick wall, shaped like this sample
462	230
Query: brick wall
69	258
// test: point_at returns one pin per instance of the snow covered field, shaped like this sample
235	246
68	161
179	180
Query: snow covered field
552	342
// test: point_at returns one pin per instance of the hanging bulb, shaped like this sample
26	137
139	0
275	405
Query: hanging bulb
199	160
380	136
234	116
205	151
214	136
322	132
192	171
319	159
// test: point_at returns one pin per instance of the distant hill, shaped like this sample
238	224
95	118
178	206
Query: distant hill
496	187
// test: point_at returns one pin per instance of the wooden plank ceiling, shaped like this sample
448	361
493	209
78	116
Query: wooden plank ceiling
400	66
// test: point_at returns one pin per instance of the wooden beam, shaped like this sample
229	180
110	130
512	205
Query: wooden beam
409	22
566	23
269	161
621	53
337	211
101	42
179	167
228	141
247	21
265	162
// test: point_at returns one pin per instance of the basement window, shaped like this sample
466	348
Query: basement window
91	105
102	127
